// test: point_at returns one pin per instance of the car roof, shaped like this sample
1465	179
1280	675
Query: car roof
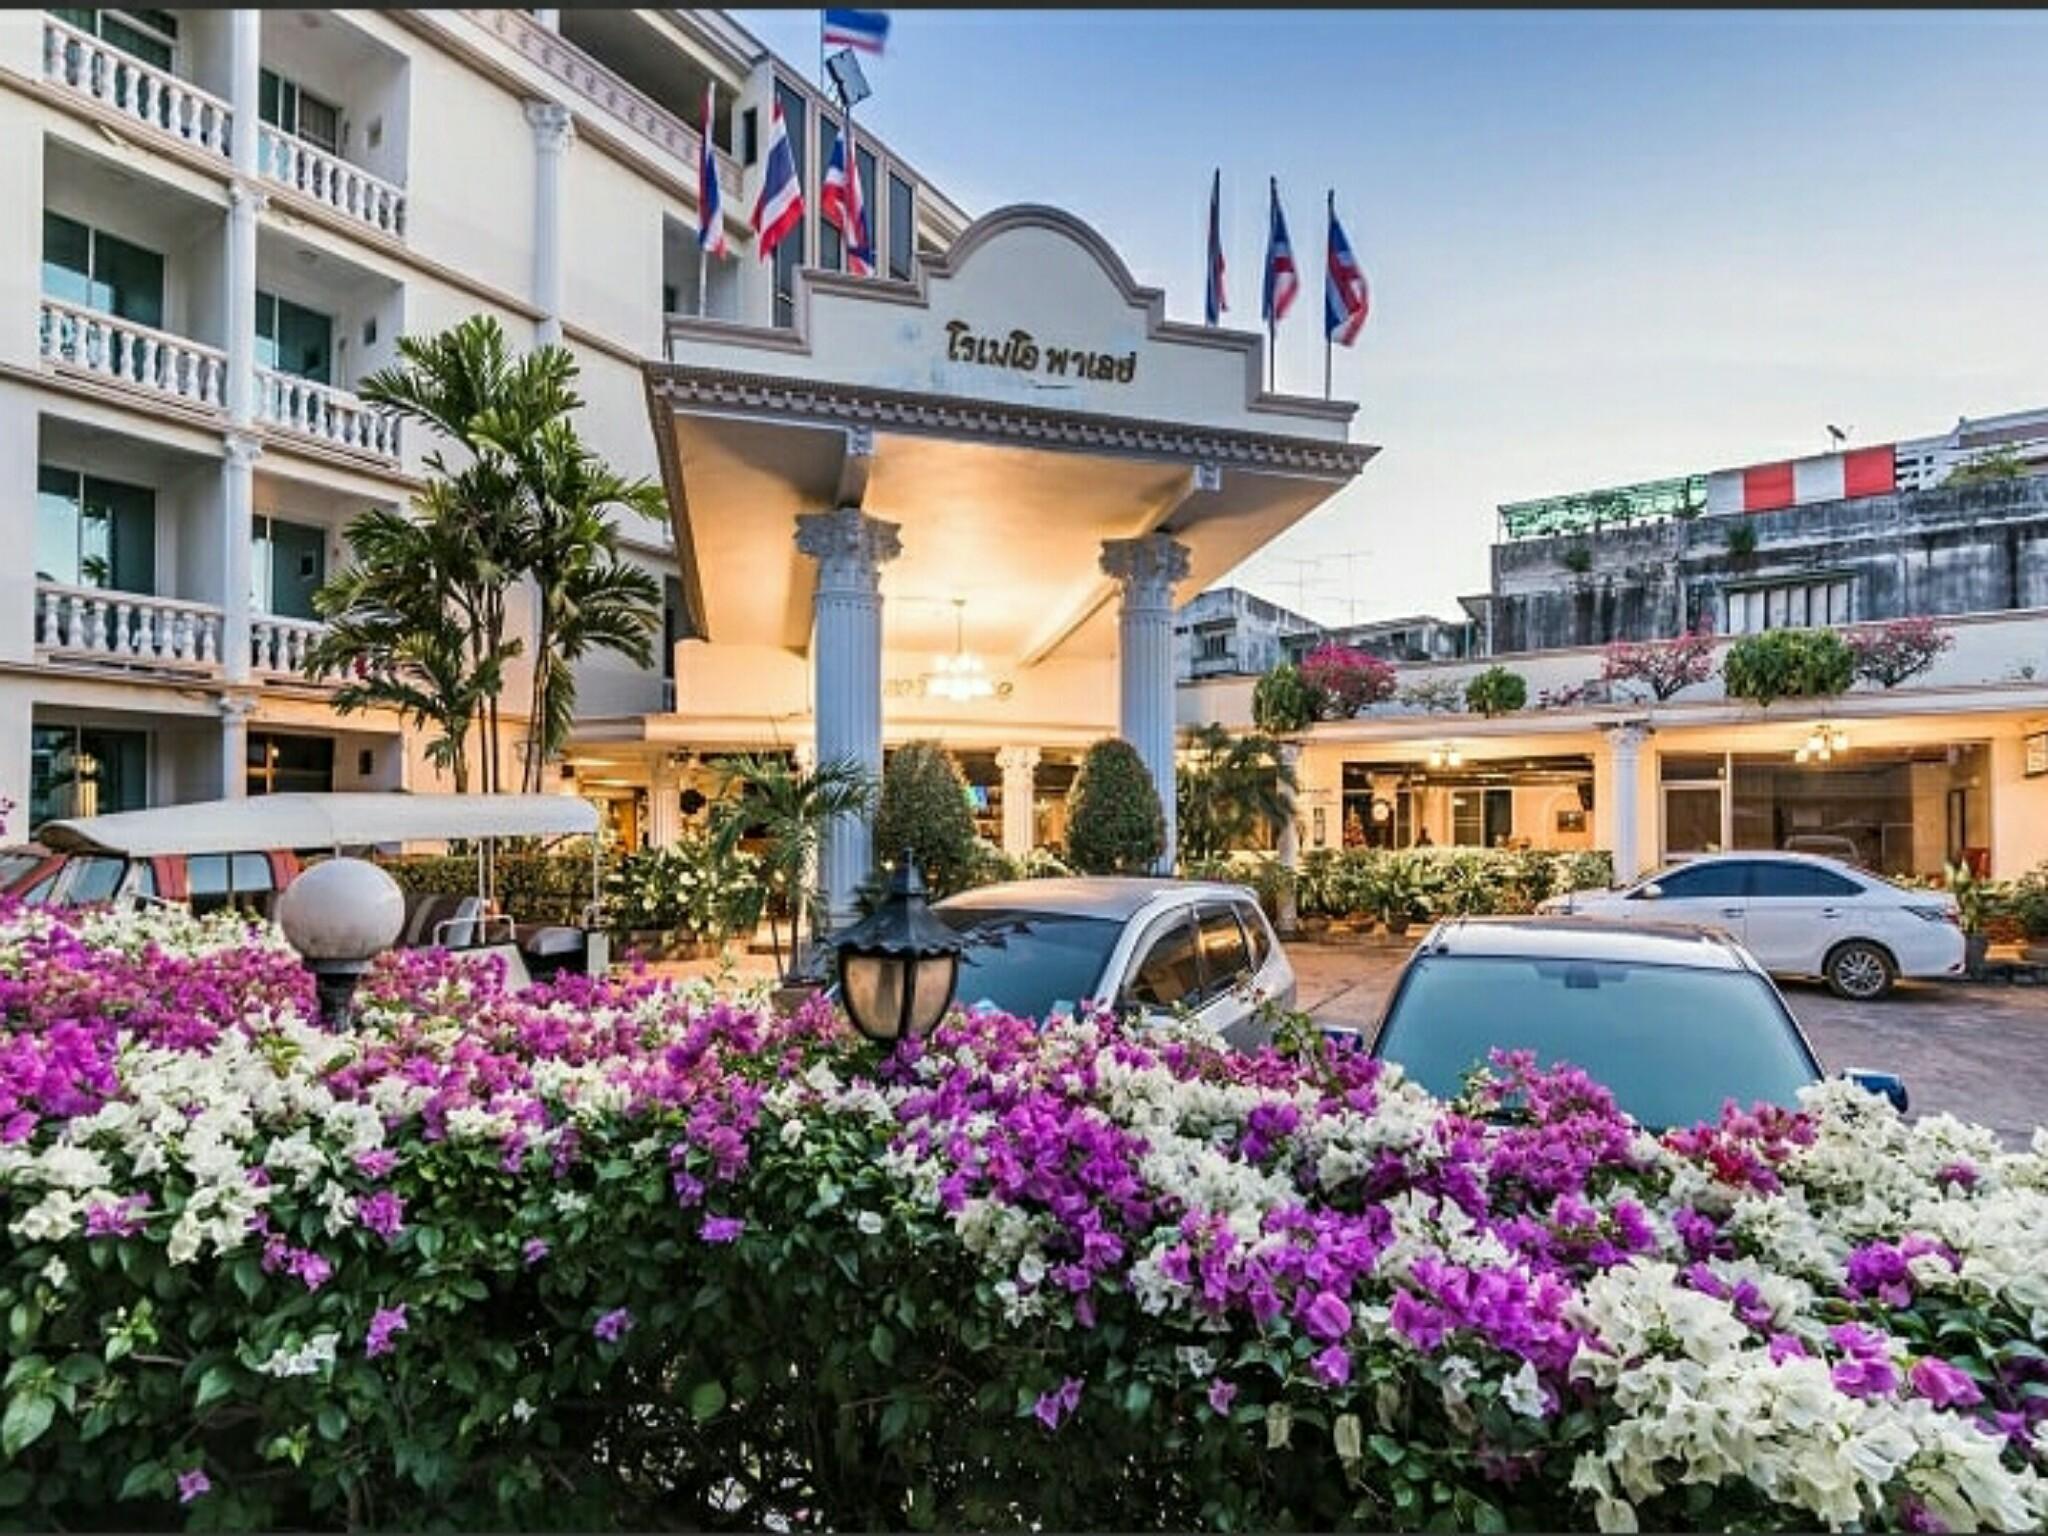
1586	938
1111	896
1763	856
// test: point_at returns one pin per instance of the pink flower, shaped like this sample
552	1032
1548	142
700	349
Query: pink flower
193	1484
1943	1385
1221	1395
534	1250
1054	1407
721	1229
614	1325
383	1213
1332	1366
383	1324
1326	1317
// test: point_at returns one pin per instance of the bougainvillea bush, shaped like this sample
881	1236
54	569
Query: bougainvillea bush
625	1256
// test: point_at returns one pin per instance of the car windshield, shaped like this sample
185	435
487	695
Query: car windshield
1672	1043
1031	964
16	863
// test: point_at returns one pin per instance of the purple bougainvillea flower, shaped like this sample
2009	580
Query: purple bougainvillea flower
721	1229
1785	1346
1221	1395
1332	1366
534	1249
383	1213
1326	1317
193	1484
1943	1385
383	1324
614	1325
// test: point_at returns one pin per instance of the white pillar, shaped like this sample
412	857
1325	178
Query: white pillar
554	130
664	802
846	654
1148	567
551	19
1020	791
242	448
234	746
1289	840
1624	745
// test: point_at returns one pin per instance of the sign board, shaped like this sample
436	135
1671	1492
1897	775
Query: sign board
2035	750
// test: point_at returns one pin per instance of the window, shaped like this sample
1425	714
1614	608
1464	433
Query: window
1768	879
287	565
750	136
1212	644
902	227
1696	882
214	881
790	254
289	764
82	265
1788	605
1032	964
1482	818
93	878
84	771
671	624
94	533
290	109
1255	930
1225	959
151	36
293	339
1170	974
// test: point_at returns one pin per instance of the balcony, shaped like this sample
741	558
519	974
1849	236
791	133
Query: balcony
328	179
151	98
324	414
101	346
127	629
279	645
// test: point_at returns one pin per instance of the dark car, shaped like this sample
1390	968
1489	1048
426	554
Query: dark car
1675	1021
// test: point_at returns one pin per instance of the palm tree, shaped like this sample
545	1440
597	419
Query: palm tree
1230	790
793	808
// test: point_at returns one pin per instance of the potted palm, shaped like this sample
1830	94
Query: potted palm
1400	888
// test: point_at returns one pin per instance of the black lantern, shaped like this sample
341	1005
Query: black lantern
898	967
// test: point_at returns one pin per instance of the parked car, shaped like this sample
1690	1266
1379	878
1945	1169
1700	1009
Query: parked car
1041	948
1799	914
1675	1020
1827	845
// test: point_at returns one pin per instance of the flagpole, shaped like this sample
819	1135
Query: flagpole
1330	223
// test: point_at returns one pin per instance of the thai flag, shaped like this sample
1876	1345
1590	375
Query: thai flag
1213	302
780	207
1283	282
865	30
1345	296
839	201
710	201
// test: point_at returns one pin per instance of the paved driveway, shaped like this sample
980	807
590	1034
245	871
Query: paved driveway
1979	1052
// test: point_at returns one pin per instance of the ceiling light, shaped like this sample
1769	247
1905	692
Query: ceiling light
961	675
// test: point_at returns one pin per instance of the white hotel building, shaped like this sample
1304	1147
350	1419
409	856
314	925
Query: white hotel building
227	218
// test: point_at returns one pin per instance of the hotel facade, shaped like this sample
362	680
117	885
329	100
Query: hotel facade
956	500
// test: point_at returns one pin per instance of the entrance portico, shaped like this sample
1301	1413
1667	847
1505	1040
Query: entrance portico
961	508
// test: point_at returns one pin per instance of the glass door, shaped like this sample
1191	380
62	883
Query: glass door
1693	818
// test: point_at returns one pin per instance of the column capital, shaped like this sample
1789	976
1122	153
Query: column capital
242	195
1147	566
849	546
554	127
237	707
1629	735
1018	760
242	449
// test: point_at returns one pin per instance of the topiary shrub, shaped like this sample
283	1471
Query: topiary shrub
924	808
1788	664
1496	691
1283	702
1115	825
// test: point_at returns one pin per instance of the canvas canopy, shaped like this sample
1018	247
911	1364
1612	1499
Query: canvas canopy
320	821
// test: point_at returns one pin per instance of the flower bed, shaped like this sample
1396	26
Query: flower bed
619	1255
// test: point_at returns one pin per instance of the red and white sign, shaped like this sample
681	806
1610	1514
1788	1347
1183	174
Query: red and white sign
1797	482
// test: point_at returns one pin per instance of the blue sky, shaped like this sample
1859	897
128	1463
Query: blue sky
1602	246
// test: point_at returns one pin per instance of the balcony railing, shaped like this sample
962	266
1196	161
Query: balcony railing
127	628
329	179
153	97
279	645
325	414
120	351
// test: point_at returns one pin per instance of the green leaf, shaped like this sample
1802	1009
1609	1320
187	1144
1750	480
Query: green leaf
1486	1517
1387	1448
1137	1398
706	1399
333	1422
141	1478
217	1383
429	1241
882	1344
28	1415
247	1275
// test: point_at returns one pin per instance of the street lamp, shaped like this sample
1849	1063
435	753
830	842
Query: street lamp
899	966
339	915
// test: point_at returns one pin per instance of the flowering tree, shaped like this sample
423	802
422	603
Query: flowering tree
1665	667
1890	653
1347	678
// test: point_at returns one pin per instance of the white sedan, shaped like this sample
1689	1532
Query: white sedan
1800	915
1151	948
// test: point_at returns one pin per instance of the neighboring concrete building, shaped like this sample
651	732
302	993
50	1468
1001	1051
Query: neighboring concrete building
1229	632
1415	638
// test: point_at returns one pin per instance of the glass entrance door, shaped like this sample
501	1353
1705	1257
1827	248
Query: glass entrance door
1693	817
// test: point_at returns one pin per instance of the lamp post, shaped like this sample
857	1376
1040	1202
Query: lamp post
340	915
898	967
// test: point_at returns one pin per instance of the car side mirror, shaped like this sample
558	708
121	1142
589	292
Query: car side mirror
1889	1084
1651	892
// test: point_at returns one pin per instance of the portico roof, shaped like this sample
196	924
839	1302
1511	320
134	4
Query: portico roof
1018	403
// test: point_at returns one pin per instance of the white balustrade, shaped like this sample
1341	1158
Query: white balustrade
279	645
126	627
142	92
320	411
108	347
327	178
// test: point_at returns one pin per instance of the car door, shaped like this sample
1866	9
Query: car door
1165	972
1230	999
1797	913
1711	893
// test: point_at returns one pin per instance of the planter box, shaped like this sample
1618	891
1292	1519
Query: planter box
667	944
789	996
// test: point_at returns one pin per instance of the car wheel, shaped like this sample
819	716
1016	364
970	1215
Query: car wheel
1860	971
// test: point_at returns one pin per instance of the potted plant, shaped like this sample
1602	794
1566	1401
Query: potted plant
1401	891
1973	909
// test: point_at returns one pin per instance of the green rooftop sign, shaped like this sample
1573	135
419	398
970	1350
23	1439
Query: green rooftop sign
1589	511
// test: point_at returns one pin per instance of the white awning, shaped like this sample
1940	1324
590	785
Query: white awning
320	821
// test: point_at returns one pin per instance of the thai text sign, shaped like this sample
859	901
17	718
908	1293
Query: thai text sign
1020	350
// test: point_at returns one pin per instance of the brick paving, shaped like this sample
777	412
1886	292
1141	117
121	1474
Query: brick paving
1977	1051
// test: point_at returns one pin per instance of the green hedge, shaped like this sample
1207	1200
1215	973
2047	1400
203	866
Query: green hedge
1445	882
533	887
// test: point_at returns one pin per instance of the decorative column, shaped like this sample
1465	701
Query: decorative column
234	745
664	802
846	655
554	130
1020	798
1148	567
1289	839
246	202
1624	746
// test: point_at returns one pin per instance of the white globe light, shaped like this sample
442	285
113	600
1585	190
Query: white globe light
342	910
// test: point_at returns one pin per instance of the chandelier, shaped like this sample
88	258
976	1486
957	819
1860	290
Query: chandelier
1446	756
961	675
1823	745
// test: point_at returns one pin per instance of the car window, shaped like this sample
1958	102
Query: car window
1168	973
206	882
1723	877
94	877
1255	930
39	893
251	872
1030	964
1225	959
1672	1043
1800	880
144	883
17	866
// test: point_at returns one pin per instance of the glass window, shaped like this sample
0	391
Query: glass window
1689	882
902	227
790	254
144	883
1672	1043
94	533
831	248
67	259
279	764
1482	818
87	266
92	878
1772	879
1225	959
1030	964
251	872
288	564
85	771
1170	973
293	339
1255	930
286	107
17	866
149	35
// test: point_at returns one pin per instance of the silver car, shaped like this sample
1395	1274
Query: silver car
1151	947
